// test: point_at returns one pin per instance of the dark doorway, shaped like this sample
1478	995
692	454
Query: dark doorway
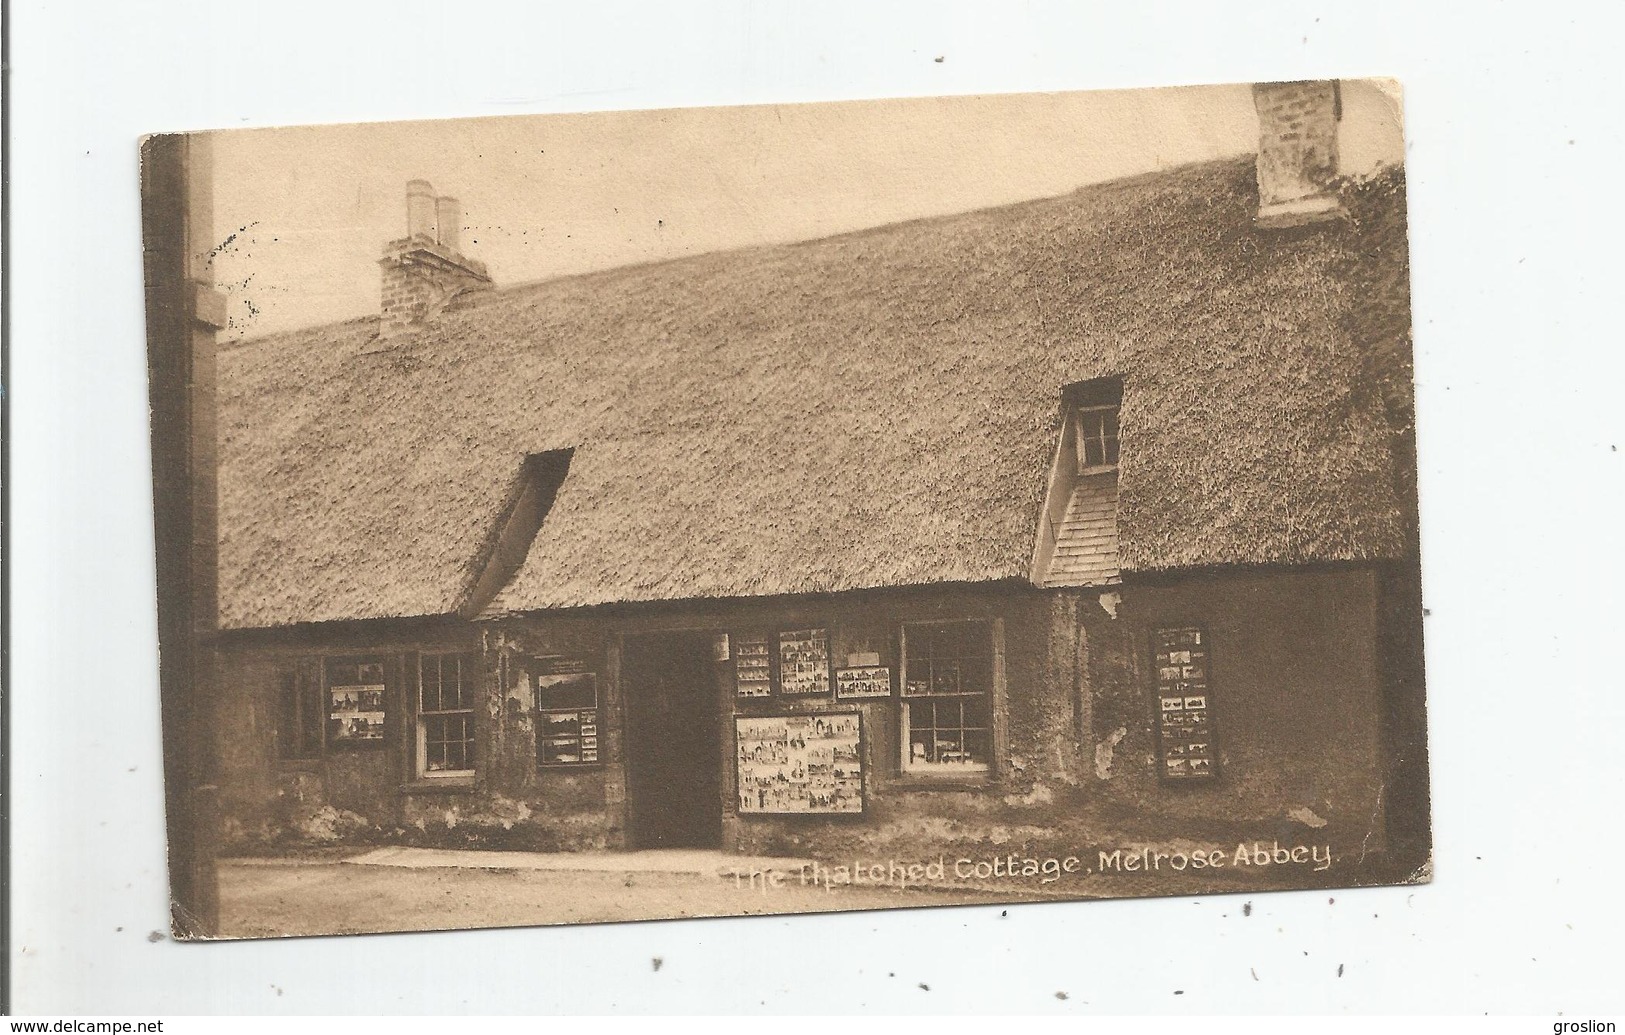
673	744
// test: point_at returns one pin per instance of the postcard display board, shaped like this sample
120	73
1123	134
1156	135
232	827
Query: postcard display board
355	702
804	662
753	667
566	712
861	682
809	764
1186	724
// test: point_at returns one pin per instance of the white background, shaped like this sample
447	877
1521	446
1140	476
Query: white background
1514	156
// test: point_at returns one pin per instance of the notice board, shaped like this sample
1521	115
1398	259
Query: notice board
800	764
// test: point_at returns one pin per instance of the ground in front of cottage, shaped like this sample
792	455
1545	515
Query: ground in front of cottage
406	889
425	889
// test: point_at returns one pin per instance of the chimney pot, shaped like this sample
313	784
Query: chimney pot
420	209
426	272
448	222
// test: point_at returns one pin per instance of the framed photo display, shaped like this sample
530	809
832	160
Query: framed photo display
566	712
1184	722
804	662
800	764
355	700
753	666
854	684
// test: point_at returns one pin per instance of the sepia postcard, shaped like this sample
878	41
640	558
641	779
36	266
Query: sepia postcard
784	509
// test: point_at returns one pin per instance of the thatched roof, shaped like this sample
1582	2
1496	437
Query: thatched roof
875	409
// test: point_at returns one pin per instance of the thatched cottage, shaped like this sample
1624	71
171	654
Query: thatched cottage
1081	519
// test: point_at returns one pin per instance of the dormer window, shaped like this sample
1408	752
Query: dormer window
1097	438
1076	544
1094	424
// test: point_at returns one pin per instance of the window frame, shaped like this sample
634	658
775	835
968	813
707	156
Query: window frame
1110	454
301	728
467	689
980	772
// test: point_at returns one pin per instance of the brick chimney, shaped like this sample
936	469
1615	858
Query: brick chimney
1297	152
424	272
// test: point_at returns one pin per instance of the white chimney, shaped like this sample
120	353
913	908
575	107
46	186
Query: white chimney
420	214
1297	152
448	218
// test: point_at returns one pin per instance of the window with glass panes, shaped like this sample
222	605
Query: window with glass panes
947	707
1097	437
445	714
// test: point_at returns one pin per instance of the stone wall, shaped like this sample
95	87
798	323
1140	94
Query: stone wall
1294	691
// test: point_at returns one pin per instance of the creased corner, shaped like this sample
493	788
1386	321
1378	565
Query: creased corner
1423	874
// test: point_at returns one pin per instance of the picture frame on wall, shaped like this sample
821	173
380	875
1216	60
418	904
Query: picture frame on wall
862	682
808	763
804	663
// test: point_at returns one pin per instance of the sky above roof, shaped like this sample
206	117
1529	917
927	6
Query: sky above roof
302	213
